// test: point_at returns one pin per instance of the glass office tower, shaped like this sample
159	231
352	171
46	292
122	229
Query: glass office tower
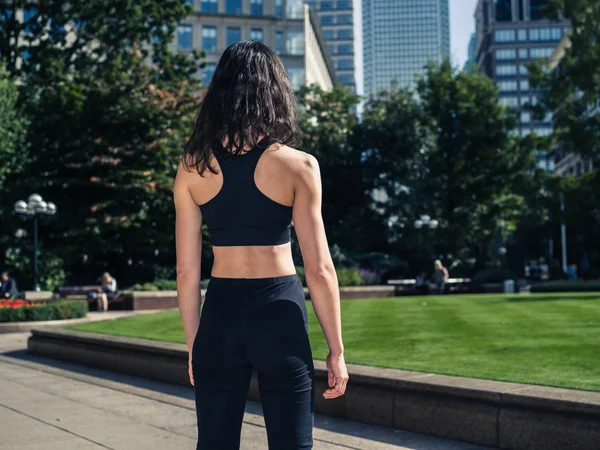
511	33
400	37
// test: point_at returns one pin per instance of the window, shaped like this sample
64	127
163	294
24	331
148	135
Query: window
296	75
295	9
279	42
543	52
523	54
524	85
329	35
184	37
534	100
521	9
503	10
233	35
347	79
209	39
504	36
543	131
256	7
326	6
327	20
509	102
523	70
522	34
525	101
548	117
344	4
209	6
332	49
344	19
545	34
345	33
295	42
525	117
506	54
345	49
256	34
507	86
208	72
506	70
233	7
279	9
345	64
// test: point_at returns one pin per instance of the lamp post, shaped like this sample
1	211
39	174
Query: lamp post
426	222
34	208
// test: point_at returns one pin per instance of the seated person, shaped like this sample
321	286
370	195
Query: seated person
421	285
8	287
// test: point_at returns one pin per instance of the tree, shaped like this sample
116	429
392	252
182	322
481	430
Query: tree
110	107
474	171
572	91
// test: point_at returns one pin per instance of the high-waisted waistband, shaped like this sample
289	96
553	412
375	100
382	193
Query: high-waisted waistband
220	281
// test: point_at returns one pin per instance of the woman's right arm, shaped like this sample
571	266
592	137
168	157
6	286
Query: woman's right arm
188	238
321	277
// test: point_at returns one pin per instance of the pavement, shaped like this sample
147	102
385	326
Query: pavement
52	405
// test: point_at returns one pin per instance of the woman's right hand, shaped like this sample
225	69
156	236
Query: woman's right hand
337	376
190	371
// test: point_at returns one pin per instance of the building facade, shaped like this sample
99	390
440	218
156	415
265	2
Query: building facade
400	37
471	56
289	27
511	33
342	29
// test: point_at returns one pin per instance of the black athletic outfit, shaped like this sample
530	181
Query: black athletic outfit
251	323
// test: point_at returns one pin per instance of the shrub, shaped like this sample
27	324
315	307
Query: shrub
156	285
348	276
52	310
566	286
493	275
369	277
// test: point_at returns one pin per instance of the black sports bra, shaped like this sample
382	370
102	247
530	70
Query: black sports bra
240	214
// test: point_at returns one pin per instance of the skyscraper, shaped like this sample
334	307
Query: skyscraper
511	33
342	28
400	37
471	60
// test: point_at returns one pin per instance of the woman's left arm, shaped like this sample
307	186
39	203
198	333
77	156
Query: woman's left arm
188	237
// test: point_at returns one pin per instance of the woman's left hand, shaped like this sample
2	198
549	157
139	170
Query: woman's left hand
190	371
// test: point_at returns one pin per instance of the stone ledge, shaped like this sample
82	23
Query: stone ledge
506	415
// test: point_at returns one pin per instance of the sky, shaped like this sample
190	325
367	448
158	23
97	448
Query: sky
462	24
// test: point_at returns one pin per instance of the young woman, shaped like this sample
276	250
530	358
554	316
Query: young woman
240	177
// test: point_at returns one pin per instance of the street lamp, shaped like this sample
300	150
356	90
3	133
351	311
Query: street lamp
34	208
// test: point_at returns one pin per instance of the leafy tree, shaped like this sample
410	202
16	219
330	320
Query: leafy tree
110	106
12	128
475	170
573	90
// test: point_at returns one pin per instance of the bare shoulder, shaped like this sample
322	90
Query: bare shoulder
299	162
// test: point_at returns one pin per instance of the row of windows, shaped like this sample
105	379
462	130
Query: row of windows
512	85
294	9
553	34
340	19
295	73
293	45
328	5
341	34
526	117
342	49
510	70
509	54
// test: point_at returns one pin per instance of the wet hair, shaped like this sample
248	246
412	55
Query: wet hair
249	97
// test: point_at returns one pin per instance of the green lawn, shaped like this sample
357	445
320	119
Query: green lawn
549	339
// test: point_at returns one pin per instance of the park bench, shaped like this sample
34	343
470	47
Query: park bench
81	292
453	285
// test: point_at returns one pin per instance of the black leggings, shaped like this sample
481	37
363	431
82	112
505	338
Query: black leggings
260	324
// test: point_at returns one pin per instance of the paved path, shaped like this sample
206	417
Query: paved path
51	405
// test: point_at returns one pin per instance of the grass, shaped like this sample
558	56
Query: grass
546	339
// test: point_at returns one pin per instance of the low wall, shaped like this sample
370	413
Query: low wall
505	415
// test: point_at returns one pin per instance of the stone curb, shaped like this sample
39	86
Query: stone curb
499	414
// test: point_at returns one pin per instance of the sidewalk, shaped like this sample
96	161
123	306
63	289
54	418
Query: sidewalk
59	406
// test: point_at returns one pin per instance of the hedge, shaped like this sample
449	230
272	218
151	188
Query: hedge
52	310
566	286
